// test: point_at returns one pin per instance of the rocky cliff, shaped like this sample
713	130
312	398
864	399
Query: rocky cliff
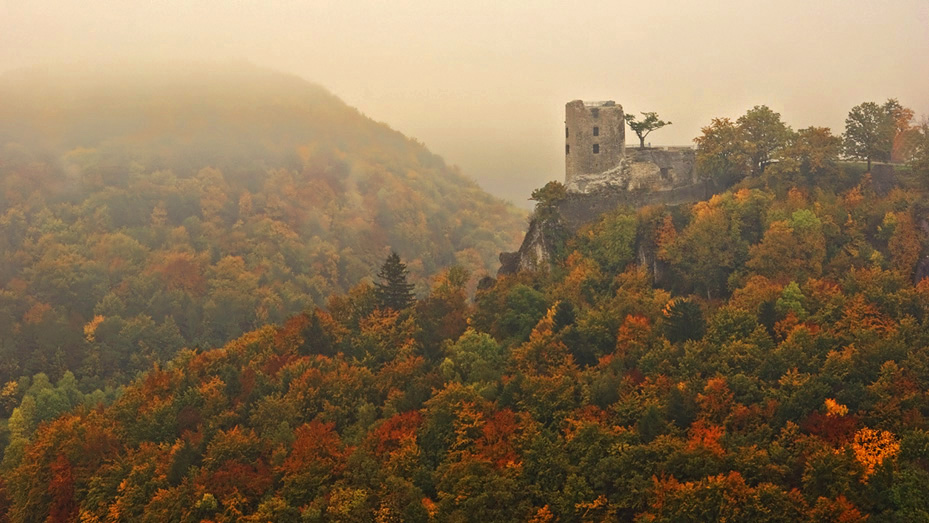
547	233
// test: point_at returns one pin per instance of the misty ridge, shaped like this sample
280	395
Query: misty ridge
181	205
203	112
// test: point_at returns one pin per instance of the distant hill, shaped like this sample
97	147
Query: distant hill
183	205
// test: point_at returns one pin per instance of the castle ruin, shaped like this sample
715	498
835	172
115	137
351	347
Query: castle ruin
602	174
595	138
596	156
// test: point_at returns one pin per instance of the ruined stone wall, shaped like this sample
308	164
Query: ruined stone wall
610	142
652	169
579	209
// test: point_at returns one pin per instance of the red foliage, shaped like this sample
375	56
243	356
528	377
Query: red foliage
275	363
188	419
63	507
247	380
634	376
834	429
317	446
496	443
249	479
289	336
389	435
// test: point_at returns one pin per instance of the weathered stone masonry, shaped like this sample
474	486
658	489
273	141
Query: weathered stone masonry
595	138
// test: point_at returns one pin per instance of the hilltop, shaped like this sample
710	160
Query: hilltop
151	208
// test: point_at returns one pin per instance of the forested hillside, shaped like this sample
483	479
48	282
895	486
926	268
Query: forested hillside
181	206
770	365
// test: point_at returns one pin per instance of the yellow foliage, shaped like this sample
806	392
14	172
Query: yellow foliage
834	408
90	328
872	447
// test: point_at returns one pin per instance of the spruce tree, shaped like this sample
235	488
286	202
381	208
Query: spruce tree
394	292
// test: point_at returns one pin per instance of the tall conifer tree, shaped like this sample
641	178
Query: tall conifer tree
394	291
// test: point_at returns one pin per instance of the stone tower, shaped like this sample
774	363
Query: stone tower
595	139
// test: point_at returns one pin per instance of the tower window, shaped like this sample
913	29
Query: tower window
596	131
565	132
596	148
567	149
595	112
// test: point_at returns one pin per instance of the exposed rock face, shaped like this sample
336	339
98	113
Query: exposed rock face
543	240
642	169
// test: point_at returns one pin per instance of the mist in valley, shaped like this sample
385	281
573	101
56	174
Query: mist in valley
484	84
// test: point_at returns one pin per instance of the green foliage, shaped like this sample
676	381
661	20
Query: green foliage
869	132
475	358
791	301
722	152
642	128
919	162
547	198
684	321
393	291
765	136
611	241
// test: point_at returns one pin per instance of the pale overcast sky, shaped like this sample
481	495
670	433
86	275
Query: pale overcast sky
484	83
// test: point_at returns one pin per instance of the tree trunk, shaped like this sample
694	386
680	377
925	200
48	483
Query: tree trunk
869	164
641	142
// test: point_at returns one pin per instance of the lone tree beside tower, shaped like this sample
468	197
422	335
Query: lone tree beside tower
642	128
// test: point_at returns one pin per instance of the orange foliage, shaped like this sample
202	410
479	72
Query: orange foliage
715	401
36	313
838	510
633	336
496	442
872	447
182	271
317	447
390	435
63	507
706	436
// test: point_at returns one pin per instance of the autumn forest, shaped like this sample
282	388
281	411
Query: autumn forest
219	304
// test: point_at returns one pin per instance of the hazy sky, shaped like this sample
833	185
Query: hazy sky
484	83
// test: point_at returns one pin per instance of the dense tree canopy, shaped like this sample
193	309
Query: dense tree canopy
770	364
759	356
202	212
